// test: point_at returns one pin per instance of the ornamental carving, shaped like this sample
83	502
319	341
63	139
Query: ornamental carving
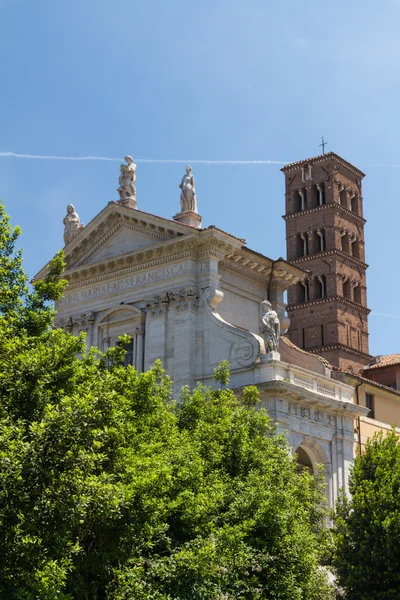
82	322
319	416
213	296
185	299
305	412
243	353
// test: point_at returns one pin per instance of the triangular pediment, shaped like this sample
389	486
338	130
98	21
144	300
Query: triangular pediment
118	231
125	239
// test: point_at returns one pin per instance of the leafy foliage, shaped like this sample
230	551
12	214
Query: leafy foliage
367	526
108	490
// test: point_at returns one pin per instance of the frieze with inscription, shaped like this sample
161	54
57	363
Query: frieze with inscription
126	283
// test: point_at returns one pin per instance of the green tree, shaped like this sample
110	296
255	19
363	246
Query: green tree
108	490
367	526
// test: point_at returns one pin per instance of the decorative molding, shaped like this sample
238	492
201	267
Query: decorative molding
82	321
335	251
331	299
329	156
310	414
183	299
329	205
334	347
213	296
120	273
232	266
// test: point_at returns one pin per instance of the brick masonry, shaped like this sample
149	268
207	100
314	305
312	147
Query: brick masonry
325	235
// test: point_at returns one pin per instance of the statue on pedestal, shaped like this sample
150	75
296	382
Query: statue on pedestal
188	195
270	327
127	179
72	224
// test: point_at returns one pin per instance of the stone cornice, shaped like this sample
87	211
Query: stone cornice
231	266
330	205
335	252
91	278
256	266
329	156
330	300
147	257
335	347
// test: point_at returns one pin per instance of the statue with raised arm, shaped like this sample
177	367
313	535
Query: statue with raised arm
270	327
127	178
188	195
72	224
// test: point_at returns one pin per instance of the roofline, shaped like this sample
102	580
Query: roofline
377	366
290	266
365	380
323	158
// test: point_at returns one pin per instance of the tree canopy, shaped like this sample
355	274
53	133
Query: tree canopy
367	526
111	490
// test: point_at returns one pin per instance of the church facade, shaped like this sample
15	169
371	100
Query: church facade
192	297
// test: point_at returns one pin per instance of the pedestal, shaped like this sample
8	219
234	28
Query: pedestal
270	357
130	202
189	217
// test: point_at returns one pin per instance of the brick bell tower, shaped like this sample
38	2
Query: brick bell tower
325	235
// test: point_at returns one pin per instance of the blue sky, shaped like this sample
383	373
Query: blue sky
209	80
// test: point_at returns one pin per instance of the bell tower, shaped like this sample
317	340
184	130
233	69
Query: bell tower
325	235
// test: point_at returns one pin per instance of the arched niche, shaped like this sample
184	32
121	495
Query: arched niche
310	453
304	461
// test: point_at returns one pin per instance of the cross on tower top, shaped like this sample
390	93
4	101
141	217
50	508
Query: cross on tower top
323	145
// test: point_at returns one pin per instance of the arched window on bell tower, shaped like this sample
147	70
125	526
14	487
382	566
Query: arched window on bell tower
320	286
304	241
301	200
321	193
343	196
354	247
321	238
354	204
344	240
357	291
347	288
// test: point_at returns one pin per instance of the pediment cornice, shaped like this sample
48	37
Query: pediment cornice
184	247
110	227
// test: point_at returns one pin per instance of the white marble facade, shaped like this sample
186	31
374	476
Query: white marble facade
192	297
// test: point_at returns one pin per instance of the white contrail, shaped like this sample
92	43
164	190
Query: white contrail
385	315
144	160
385	166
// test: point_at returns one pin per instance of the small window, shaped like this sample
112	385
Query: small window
370	404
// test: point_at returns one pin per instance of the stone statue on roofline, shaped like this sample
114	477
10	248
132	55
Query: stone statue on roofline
72	224
188	194
270	327
127	179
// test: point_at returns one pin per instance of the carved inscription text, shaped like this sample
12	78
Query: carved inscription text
126	283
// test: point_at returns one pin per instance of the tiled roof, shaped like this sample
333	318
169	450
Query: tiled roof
384	361
292	345
321	158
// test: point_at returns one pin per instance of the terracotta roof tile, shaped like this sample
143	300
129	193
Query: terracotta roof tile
292	345
384	361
